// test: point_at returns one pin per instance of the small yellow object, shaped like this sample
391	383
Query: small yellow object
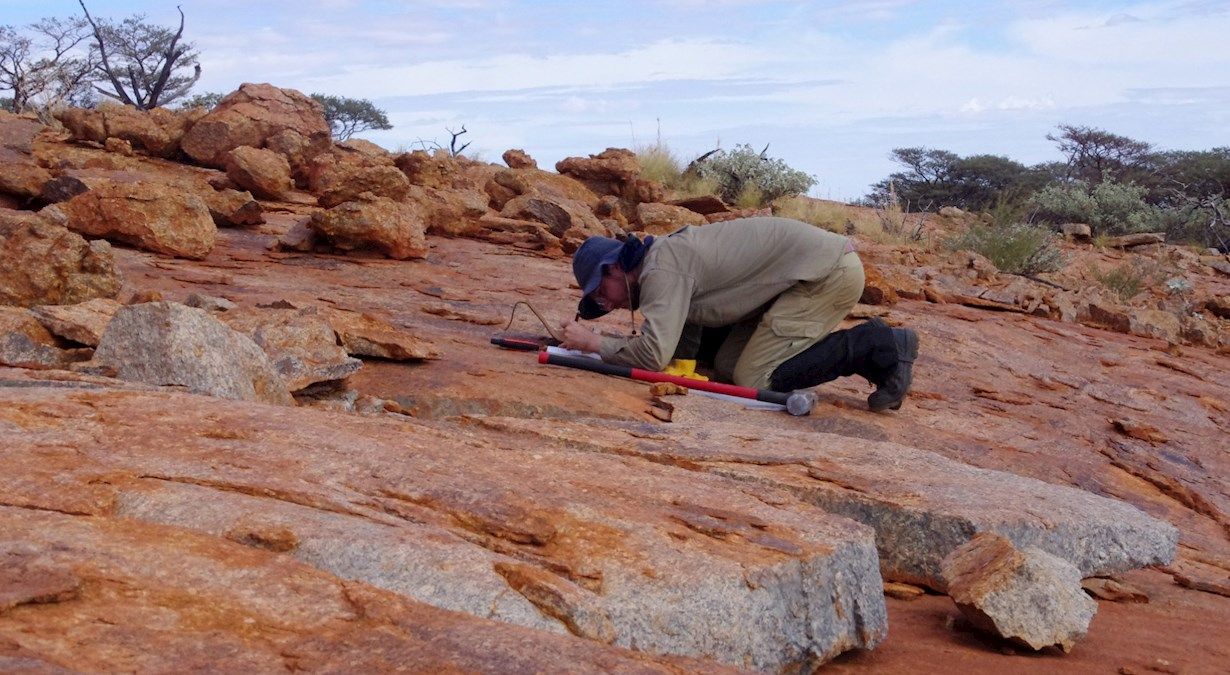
684	368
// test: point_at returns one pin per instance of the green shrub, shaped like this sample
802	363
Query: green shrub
1015	248
1108	207
734	170
1125	280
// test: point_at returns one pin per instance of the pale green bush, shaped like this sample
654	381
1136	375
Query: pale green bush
1108	207
735	170
1015	248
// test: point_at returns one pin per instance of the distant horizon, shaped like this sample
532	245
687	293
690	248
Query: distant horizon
831	87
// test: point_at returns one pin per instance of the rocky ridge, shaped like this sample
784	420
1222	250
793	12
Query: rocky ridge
420	465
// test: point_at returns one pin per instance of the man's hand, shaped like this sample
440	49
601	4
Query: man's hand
581	338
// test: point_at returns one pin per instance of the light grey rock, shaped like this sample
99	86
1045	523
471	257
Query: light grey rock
300	343
166	343
1028	596
921	504
1078	231
209	303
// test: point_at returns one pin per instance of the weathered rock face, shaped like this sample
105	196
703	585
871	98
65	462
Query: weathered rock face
155	132
366	335
516	158
612	164
428	169
299	342
562	217
393	228
922	506
336	181
1027	596
232	607
25	343
876	289
165	343
662	219
300	150
233	208
668	561
151	216
453	213
510	183
83	322
264	172
48	264
21	175
249	116
1154	323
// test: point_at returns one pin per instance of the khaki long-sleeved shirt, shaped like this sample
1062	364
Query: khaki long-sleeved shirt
718	275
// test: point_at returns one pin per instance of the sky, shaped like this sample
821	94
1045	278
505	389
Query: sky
830	87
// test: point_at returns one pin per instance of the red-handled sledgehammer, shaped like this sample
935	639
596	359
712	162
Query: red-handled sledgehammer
797	402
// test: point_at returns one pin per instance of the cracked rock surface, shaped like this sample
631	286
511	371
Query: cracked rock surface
608	548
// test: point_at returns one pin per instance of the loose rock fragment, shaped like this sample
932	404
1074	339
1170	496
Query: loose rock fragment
667	389
1113	590
901	591
1029	596
83	322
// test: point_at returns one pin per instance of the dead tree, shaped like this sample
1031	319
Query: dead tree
43	68
140	60
453	150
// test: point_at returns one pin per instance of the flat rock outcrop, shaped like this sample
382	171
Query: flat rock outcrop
45	263
249	116
922	505
152	216
1028	596
146	597
615	549
165	343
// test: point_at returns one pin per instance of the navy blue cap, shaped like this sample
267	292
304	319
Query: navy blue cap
588	264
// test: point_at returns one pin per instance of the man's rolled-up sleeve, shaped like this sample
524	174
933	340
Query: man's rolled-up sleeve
665	297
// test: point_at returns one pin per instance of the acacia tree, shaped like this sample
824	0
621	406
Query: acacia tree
349	116
44	66
144	64
1094	155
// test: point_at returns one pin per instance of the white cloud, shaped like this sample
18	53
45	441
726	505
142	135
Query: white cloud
665	60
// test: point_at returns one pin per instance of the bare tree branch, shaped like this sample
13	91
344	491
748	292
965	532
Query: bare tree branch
106	64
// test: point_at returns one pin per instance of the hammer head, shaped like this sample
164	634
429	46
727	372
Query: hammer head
801	402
